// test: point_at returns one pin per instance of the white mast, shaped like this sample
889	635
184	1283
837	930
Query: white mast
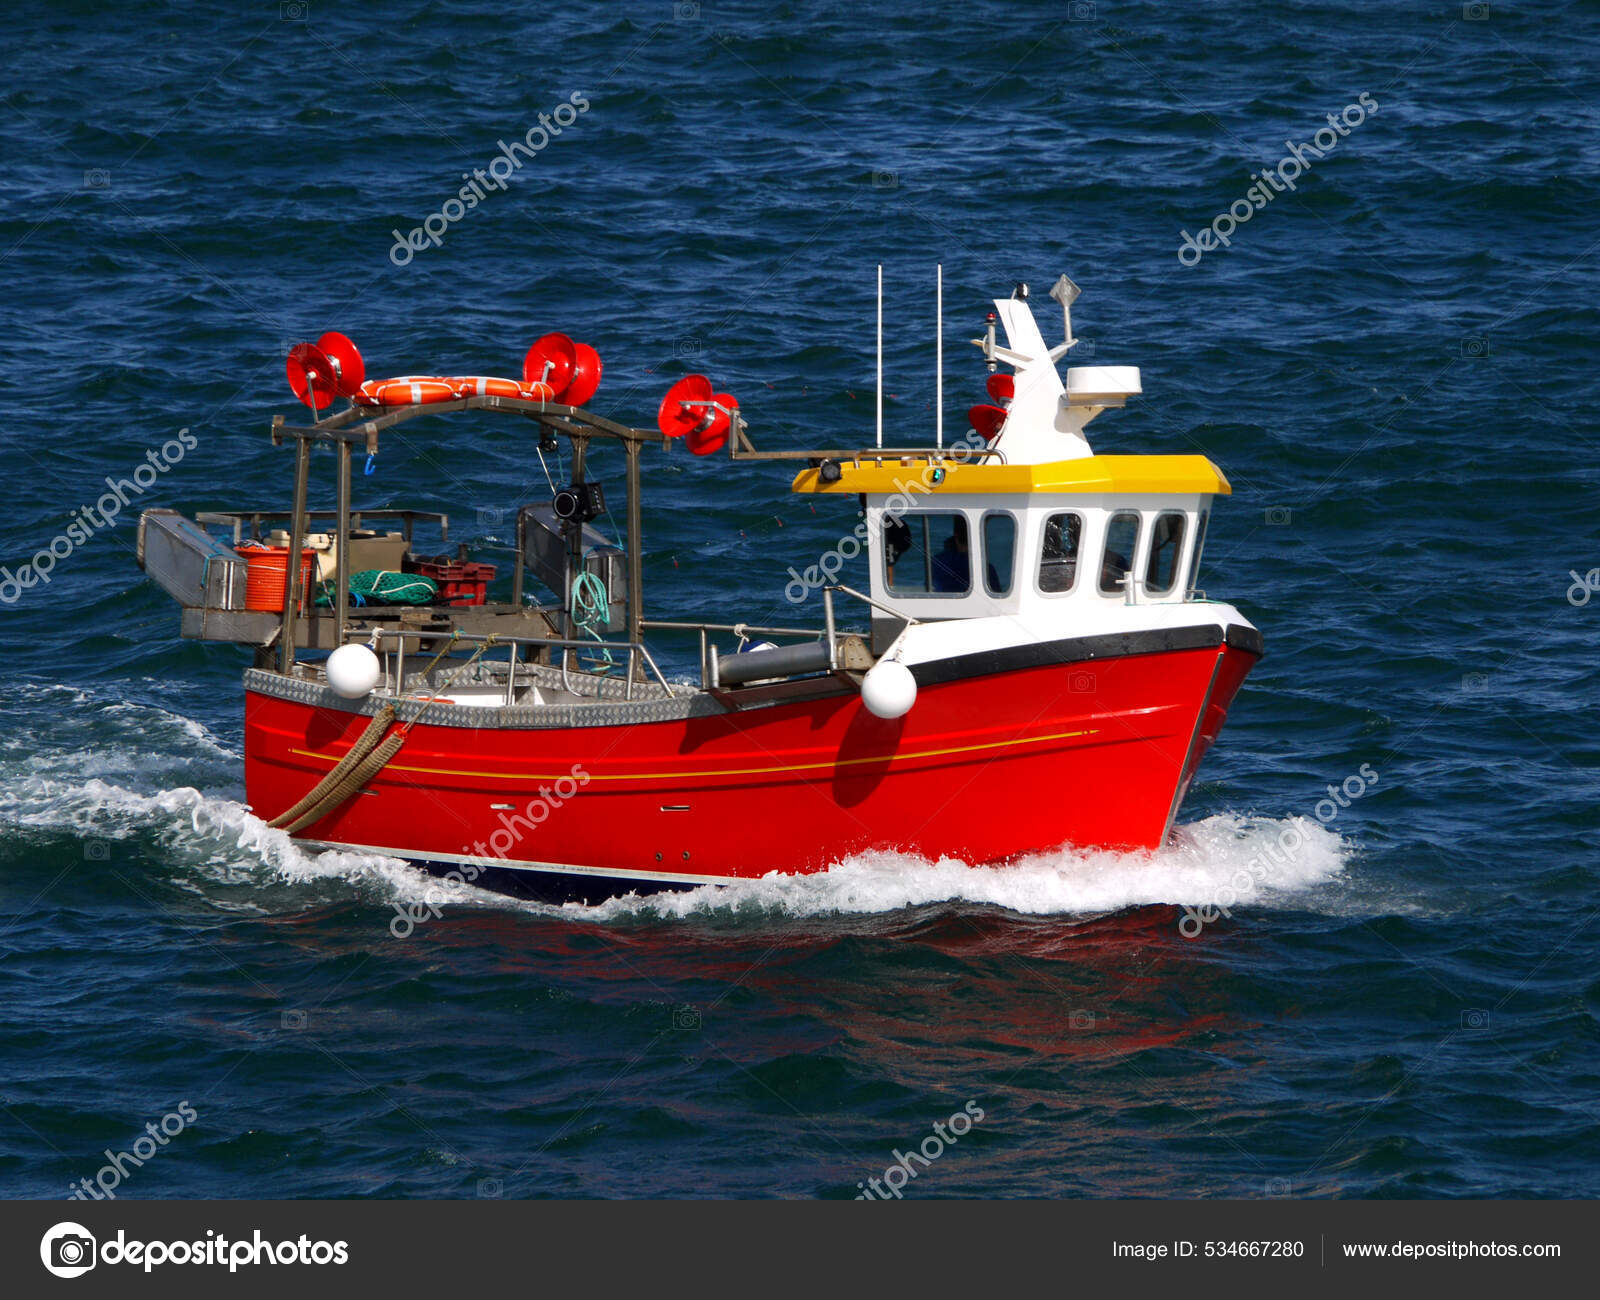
880	354
938	379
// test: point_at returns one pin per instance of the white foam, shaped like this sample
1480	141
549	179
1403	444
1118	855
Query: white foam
204	830
189	728
1226	860
64	727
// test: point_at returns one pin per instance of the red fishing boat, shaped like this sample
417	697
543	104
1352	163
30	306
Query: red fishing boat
1030	664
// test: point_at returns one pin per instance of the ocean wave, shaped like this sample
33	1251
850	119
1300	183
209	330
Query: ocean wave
1215	866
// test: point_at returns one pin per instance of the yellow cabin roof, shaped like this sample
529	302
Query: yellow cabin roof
1121	475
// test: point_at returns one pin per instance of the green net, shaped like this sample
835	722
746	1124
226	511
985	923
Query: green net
383	587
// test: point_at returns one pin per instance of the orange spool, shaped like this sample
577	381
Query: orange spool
263	587
713	434
676	418
586	373
312	376
349	370
550	361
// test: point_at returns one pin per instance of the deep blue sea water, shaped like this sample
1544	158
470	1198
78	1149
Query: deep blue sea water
1394	363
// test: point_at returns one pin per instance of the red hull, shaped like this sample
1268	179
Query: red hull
983	768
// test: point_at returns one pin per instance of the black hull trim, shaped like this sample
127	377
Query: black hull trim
552	886
1086	649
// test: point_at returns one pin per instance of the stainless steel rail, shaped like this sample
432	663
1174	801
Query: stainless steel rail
564	644
738	629
235	519
827	593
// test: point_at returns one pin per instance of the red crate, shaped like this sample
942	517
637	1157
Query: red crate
459	584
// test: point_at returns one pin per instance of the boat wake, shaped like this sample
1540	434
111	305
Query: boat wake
214	846
108	787
1212	867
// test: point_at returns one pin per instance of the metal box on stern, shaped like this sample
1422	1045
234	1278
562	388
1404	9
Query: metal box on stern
194	568
544	540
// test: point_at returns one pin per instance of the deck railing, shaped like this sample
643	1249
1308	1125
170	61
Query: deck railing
632	654
636	651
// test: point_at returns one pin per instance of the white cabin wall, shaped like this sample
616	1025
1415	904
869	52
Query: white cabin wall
1032	512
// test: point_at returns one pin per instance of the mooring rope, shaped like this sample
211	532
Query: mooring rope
367	757
337	791
358	751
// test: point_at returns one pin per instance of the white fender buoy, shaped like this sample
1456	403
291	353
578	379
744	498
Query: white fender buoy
353	670
889	690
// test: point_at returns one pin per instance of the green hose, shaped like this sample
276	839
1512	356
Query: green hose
591	607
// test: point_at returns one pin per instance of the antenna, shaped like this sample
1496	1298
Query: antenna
1065	293
880	354
938	379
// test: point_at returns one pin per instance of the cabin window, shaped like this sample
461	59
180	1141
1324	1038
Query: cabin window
927	553
999	552
1122	541
1194	563
1166	553
1058	561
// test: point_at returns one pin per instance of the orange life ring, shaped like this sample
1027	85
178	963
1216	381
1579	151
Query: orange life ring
418	390
490	386
407	390
484	386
